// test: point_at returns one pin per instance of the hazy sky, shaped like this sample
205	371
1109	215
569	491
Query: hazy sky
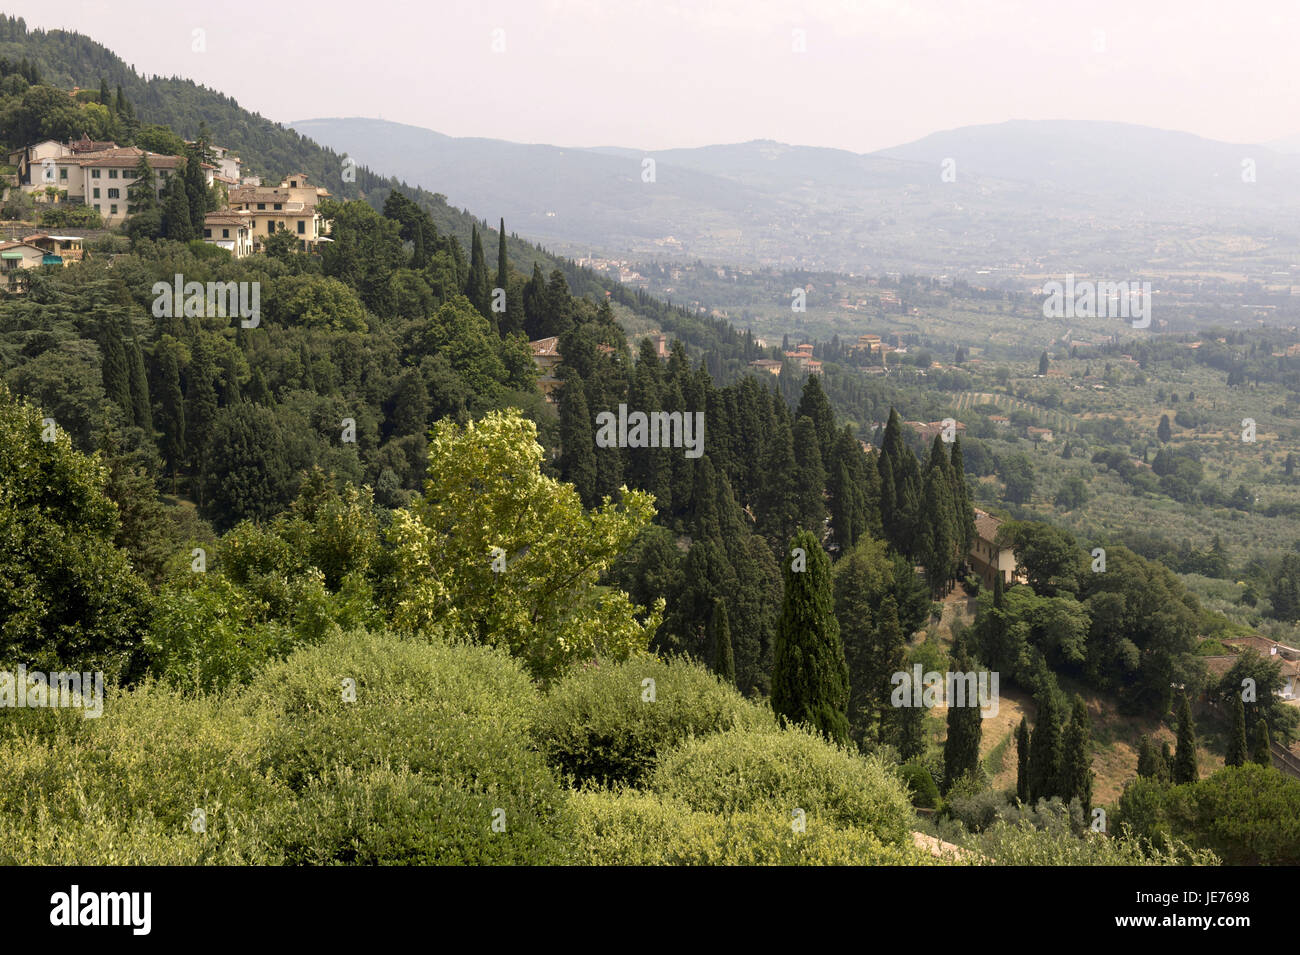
650	74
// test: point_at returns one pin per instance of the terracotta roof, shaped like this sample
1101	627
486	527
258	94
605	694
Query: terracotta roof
546	347
129	156
227	217
986	525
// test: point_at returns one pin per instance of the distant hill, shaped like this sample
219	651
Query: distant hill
1048	196
69	59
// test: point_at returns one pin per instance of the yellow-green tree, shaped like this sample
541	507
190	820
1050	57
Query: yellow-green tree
498	551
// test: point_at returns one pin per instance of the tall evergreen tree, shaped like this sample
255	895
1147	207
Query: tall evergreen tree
1022	760
141	410
1076	764
1148	758
116	370
777	507
176	220
477	288
503	263
577	441
196	187
1042	363
1045	750
724	659
1185	763
810	678
965	509
1262	754
810	481
937	545
1163	431
814	405
1237	751
200	399
961	749
171	414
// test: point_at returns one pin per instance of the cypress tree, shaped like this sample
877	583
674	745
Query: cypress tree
476	285
965	510
810	678
777	507
116	371
1185	768
577	441
140	388
936	546
1076	766
503	264
1042	363
104	98
258	391
1045	750
1022	761
177	223
1165	765
419	255
171	414
1262	754
1163	431
200	399
909	731
814	405
1148	759
724	659
810	482
1237	751
609	461
196	188
961	749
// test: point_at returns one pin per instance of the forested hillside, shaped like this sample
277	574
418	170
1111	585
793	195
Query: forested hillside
356	495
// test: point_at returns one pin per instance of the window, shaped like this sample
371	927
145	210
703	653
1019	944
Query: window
225	233
115	193
97	209
261	205
96	195
293	183
207	233
278	207
163	174
302	227
63	173
112	174
270	227
94	174
113	209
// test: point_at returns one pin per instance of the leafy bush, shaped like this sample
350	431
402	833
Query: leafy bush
1024	844
745	770
123	787
632	828
437	739
921	784
1247	815
595	727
